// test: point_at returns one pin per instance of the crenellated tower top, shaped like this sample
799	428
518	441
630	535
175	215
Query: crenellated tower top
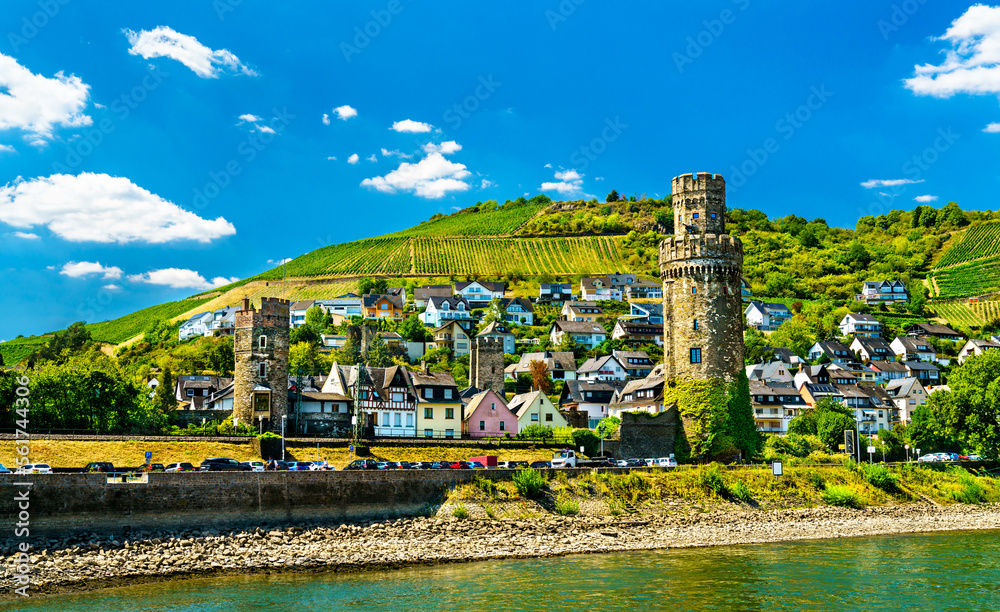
699	202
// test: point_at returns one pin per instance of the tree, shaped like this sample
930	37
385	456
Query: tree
608	426
414	330
540	379
305	333
972	408
613	196
794	334
368	285
316	318
221	357
158	331
304	359
808	239
493	313
164	397
828	420
755	349
740	424
378	354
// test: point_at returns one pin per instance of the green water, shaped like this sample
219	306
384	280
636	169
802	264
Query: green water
952	571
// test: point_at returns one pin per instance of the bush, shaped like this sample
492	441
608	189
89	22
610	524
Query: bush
972	492
843	497
711	479
529	483
879	477
269	435
815	479
567	508
460	512
741	491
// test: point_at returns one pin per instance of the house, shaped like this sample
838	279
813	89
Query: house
842	378
535	408
443	309
870	419
637	363
381	306
859	372
480	294
927	373
555	292
321	413
813	393
872	349
923	330
885	292
192	392
638	332
598	290
812	374
649	313
889	370
786	356
221	398
196	327
644	290
223	321
517	310
487	416
385	400
581	311
585	334
907	394
995	338
562	365
913	349
976	347
499	331
451	335
766	316
622	282
398	292
602	368
774	405
745	291
836	352
642	395
439	404
860	325
591	396
422	295
767	373
881	401
343	306
297	312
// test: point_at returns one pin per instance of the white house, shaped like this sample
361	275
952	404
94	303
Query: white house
766	316
585	334
602	368
872	349
499	331
772	372
884	292
599	289
976	347
535	408
581	311
555	292
443	309
837	352
592	397
346	305
517	310
479	293
862	325
913	349
644	290
907	394
198	325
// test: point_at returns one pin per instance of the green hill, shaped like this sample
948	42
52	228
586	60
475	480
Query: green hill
971	266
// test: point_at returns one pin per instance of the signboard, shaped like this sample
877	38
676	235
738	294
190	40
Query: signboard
149	456
776	468
840	446
871	450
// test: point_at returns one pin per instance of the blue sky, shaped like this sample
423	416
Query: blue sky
150	150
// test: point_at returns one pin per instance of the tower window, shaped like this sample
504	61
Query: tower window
696	325
725	290
694	216
262	370
713	215
694	290
262	341
696	355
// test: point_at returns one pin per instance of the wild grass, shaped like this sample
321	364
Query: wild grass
530	483
566	507
460	512
844	497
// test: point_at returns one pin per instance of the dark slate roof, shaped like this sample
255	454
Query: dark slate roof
579	327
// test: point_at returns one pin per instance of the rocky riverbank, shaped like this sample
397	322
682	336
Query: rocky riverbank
85	562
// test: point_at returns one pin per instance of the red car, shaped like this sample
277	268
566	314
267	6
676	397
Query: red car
460	465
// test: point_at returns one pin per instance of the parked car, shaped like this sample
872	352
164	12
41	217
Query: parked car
223	464
152	467
538	465
362	464
35	468
666	462
972	457
635	463
605	462
649	462
951	457
460	465
440	465
322	466
99	466
179	467
476	465
928	458
300	466
4	470
255	466
513	465
621	463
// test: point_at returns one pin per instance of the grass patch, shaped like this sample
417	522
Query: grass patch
741	492
460	512
530	483
567	507
879	477
843	497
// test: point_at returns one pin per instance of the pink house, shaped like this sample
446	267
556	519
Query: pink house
486	415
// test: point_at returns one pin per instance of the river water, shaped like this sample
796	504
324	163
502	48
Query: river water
942	571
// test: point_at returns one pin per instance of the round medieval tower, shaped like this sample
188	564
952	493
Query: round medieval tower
701	268
260	386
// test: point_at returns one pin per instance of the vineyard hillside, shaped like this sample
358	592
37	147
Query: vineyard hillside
971	266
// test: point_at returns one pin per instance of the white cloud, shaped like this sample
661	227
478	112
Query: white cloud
180	278
971	65
26	235
265	129
395	153
111	287
326	119
992	128
331	158
345	112
926	198
7	149
279	261
547	166
486	184
568	183
372	158
163	41
447	148
353	159
249	118
82	269
100	208
598	178
36	104
872	183
412	127
432	177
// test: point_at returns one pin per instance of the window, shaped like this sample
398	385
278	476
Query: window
409	419
385	419
262	370
384	306
696	355
534	416
449	433
493	405
190	392
449	413
713	215
428	393
694	216
696	325
447	394
482	425
397	397
428	413
548	416
725	290
428	433
397	420
262	341
694	290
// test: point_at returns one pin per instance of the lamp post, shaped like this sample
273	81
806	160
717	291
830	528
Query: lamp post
283	417
907	447
204	431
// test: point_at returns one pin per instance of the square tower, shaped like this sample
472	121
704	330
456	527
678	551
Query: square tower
699	202
260	385
486	364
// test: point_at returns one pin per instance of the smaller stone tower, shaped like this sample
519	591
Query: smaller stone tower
486	365
260	386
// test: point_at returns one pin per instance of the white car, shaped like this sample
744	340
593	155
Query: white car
321	466
621	463
35	468
667	462
255	466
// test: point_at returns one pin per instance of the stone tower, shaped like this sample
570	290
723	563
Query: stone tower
260	387
701	269
486	364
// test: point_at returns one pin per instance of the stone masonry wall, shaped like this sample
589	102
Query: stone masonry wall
643	435
270	322
486	365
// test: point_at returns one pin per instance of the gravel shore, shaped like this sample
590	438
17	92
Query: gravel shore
85	562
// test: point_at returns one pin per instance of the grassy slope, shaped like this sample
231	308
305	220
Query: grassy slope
970	265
